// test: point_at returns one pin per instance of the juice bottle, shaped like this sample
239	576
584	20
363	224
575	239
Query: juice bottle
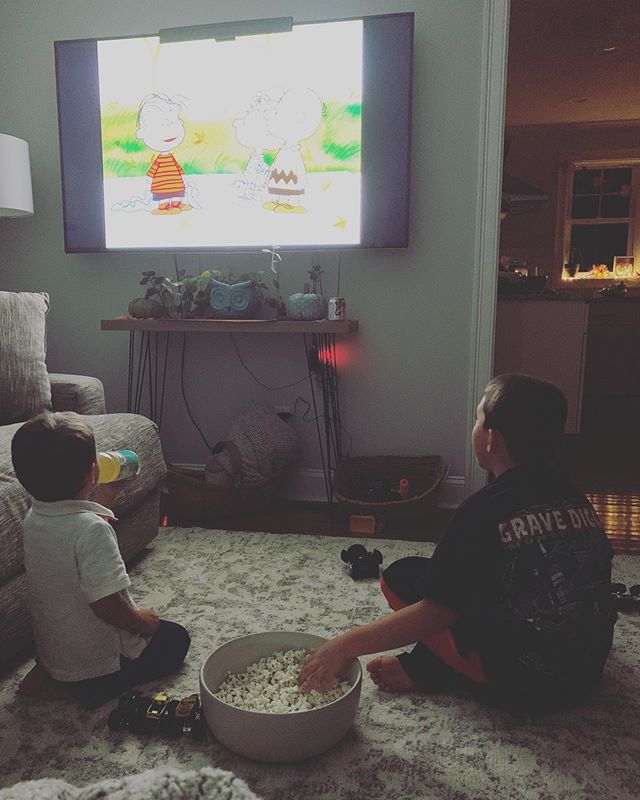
117	465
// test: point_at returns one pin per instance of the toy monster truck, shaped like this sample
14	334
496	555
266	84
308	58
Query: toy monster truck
158	714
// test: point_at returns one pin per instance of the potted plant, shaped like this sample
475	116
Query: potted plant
210	294
185	296
191	293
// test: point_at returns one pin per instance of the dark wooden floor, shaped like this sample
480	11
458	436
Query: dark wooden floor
318	518
602	460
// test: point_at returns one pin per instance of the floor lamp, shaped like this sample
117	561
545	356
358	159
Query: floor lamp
16	197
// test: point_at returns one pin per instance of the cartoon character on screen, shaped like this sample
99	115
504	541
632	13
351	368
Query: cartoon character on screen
295	117
252	131
161	129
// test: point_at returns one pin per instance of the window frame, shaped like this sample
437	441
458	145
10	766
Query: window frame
565	221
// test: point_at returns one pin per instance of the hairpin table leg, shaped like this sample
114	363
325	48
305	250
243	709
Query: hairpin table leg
147	373
323	375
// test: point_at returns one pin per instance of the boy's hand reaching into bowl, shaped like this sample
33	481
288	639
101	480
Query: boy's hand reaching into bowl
324	665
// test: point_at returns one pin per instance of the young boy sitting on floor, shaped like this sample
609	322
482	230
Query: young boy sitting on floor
90	637
515	602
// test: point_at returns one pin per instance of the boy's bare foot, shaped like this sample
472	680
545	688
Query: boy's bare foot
39	685
389	676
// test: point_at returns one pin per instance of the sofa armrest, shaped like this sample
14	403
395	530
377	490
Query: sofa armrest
78	393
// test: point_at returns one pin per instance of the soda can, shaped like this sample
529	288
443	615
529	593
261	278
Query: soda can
337	308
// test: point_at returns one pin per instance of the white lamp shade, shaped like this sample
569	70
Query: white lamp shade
16	197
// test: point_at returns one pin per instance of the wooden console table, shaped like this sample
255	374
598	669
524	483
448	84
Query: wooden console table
320	326
148	366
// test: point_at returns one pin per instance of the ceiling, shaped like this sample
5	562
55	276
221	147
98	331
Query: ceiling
558	69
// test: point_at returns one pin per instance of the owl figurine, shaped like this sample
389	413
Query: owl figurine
234	301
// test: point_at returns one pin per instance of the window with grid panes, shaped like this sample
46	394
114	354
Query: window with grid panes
600	218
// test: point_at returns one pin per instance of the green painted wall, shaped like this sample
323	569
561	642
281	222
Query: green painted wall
405	386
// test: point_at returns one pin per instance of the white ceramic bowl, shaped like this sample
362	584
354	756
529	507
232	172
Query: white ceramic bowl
274	737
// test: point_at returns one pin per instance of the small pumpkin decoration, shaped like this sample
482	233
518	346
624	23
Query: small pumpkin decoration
310	304
306	306
145	308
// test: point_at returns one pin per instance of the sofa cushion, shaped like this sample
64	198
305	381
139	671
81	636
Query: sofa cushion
14	504
24	389
78	393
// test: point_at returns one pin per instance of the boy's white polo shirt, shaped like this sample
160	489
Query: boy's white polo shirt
72	559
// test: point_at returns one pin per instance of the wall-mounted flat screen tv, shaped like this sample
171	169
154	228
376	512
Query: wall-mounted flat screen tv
296	139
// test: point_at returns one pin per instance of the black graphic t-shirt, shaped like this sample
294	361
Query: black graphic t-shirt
527	566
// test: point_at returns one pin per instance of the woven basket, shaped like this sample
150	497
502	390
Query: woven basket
194	500
425	474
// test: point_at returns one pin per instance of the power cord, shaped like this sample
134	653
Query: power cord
184	396
257	380
305	415
306	418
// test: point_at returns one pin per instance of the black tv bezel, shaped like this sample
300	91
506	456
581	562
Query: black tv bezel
83	213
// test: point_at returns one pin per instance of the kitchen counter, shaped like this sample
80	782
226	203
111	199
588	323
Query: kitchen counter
634	298
566	296
538	296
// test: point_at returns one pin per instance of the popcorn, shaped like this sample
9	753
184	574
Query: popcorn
270	685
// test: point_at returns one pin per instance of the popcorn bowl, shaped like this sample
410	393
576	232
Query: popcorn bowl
275	737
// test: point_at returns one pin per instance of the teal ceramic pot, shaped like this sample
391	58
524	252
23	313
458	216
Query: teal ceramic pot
234	301
306	306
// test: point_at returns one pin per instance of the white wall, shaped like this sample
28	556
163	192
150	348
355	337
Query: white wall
405	389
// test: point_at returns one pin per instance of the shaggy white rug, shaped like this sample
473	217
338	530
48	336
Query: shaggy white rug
445	747
207	783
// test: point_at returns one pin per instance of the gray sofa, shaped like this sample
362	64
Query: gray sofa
137	508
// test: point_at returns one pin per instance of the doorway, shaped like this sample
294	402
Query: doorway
572	153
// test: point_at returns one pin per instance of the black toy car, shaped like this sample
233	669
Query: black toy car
626	599
188	716
158	714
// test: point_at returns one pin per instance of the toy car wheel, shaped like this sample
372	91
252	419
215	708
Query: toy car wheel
170	725
127	699
114	720
119	717
197	726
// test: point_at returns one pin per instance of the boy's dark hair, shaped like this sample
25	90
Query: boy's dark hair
530	413
52	454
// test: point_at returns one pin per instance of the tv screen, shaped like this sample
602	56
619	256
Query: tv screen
296	139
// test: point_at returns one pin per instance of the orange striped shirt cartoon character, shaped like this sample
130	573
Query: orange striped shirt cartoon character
161	129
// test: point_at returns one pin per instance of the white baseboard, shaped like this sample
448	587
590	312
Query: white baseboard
308	485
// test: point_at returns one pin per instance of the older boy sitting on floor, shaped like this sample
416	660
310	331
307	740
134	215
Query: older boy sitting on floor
515	602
